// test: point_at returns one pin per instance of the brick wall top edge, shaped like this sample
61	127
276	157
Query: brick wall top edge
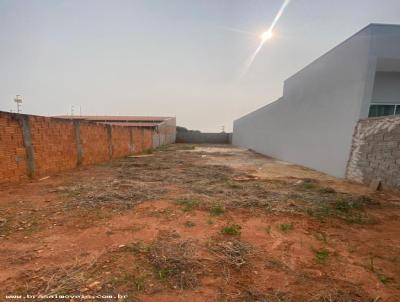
14	115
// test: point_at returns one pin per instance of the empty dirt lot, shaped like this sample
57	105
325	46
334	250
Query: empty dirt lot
191	223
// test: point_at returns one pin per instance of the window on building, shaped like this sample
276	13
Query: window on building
383	110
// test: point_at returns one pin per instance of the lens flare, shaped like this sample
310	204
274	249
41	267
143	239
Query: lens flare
267	35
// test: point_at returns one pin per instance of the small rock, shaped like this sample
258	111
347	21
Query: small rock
94	284
375	185
121	245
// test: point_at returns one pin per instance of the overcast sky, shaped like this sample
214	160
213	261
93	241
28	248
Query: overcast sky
182	58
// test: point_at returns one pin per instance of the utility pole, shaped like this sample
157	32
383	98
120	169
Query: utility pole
18	101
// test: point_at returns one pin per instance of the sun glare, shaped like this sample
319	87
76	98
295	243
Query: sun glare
266	35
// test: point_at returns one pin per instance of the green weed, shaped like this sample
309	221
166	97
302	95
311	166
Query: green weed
232	230
322	255
188	205
217	209
189	224
286	227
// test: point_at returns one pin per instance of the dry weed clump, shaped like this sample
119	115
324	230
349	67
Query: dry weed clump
231	254
173	260
248	294
51	281
113	193
338	295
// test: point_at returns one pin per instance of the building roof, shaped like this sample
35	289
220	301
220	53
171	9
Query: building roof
127	121
119	118
132	124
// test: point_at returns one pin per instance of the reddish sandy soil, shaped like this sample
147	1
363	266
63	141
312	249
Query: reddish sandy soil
199	223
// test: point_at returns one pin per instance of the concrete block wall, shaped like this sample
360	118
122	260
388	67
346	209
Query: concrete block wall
165	133
194	137
35	146
375	153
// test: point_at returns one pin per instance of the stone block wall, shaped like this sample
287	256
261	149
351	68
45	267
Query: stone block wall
375	153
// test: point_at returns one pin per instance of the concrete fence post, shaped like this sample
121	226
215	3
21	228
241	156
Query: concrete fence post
142	134
109	136
79	148
131	143
27	138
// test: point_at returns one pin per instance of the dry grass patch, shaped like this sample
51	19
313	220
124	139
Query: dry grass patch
173	261
232	253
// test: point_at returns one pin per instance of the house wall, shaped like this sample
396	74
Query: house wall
386	88
35	146
312	124
375	152
384	56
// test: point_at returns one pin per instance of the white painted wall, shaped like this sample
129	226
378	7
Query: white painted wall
384	56
313	123
386	87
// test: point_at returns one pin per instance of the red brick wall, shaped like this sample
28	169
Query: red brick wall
148	138
120	141
137	139
54	146
12	151
94	140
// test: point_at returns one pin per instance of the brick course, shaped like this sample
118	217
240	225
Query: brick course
12	151
55	143
120	141
94	142
375	153
147	139
137	135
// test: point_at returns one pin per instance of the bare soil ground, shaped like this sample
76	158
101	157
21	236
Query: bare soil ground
199	223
